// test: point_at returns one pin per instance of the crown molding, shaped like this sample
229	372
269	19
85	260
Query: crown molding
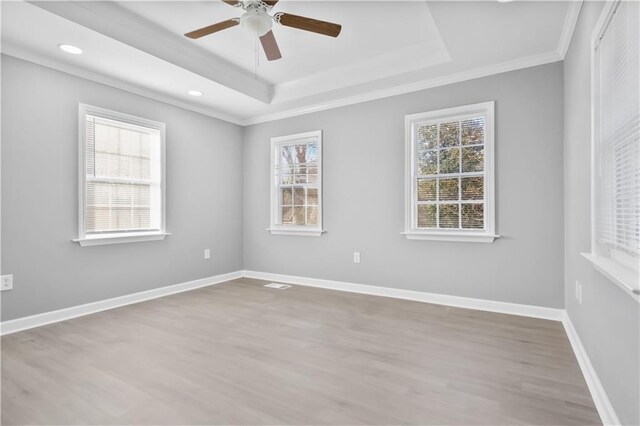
530	61
22	54
570	21
345	77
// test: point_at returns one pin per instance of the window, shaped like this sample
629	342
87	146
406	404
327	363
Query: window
449	174
121	191
296	184
615	246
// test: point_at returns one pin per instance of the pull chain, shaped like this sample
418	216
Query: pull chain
257	57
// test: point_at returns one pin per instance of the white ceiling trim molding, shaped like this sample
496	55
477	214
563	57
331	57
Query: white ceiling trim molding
531	61
112	20
17	52
570	21
516	64
364	72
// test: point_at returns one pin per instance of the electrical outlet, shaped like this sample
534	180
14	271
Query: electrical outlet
207	253
356	257
6	283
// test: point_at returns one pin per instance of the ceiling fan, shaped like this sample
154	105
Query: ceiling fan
257	20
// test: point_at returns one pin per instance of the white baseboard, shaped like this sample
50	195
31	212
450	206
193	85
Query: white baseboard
598	394
439	299
24	323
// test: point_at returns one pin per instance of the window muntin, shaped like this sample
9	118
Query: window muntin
450	171
122	170
450	174
296	196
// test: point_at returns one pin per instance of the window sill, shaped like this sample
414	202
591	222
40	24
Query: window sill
120	238
295	231
451	236
624	277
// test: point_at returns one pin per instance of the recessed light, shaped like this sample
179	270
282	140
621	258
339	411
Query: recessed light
70	49
194	93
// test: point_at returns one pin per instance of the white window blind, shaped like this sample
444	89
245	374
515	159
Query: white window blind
617	161
122	187
296	196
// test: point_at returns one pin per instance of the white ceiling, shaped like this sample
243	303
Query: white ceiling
385	48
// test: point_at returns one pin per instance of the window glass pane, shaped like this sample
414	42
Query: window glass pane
287	215
473	131
473	216
312	152
301	176
427	216
116	207
312	196
427	162
298	216
287	155
473	188
286	178
450	134
427	137
298	196
312	173
121	152
312	215
450	160
473	159
287	196
426	189
449	189
449	215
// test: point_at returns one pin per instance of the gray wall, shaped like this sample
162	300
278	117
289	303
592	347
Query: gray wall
608	321
364	196
39	196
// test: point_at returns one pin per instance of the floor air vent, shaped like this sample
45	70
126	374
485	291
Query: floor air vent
278	286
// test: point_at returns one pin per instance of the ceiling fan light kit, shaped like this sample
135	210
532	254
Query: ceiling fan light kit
257	21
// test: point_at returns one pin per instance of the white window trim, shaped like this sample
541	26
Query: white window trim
274	228
116	238
615	268
487	235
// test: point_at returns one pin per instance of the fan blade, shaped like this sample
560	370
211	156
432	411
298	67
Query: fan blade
270	2
308	24
213	28
231	2
270	46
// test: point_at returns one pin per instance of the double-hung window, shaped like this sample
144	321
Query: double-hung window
121	179
615	245
449	186
296	184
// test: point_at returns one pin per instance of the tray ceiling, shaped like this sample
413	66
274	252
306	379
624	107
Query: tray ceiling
386	47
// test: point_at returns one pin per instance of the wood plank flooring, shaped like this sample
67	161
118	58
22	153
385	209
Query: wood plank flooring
240	353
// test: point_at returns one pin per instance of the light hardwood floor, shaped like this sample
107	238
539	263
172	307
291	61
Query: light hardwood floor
239	353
